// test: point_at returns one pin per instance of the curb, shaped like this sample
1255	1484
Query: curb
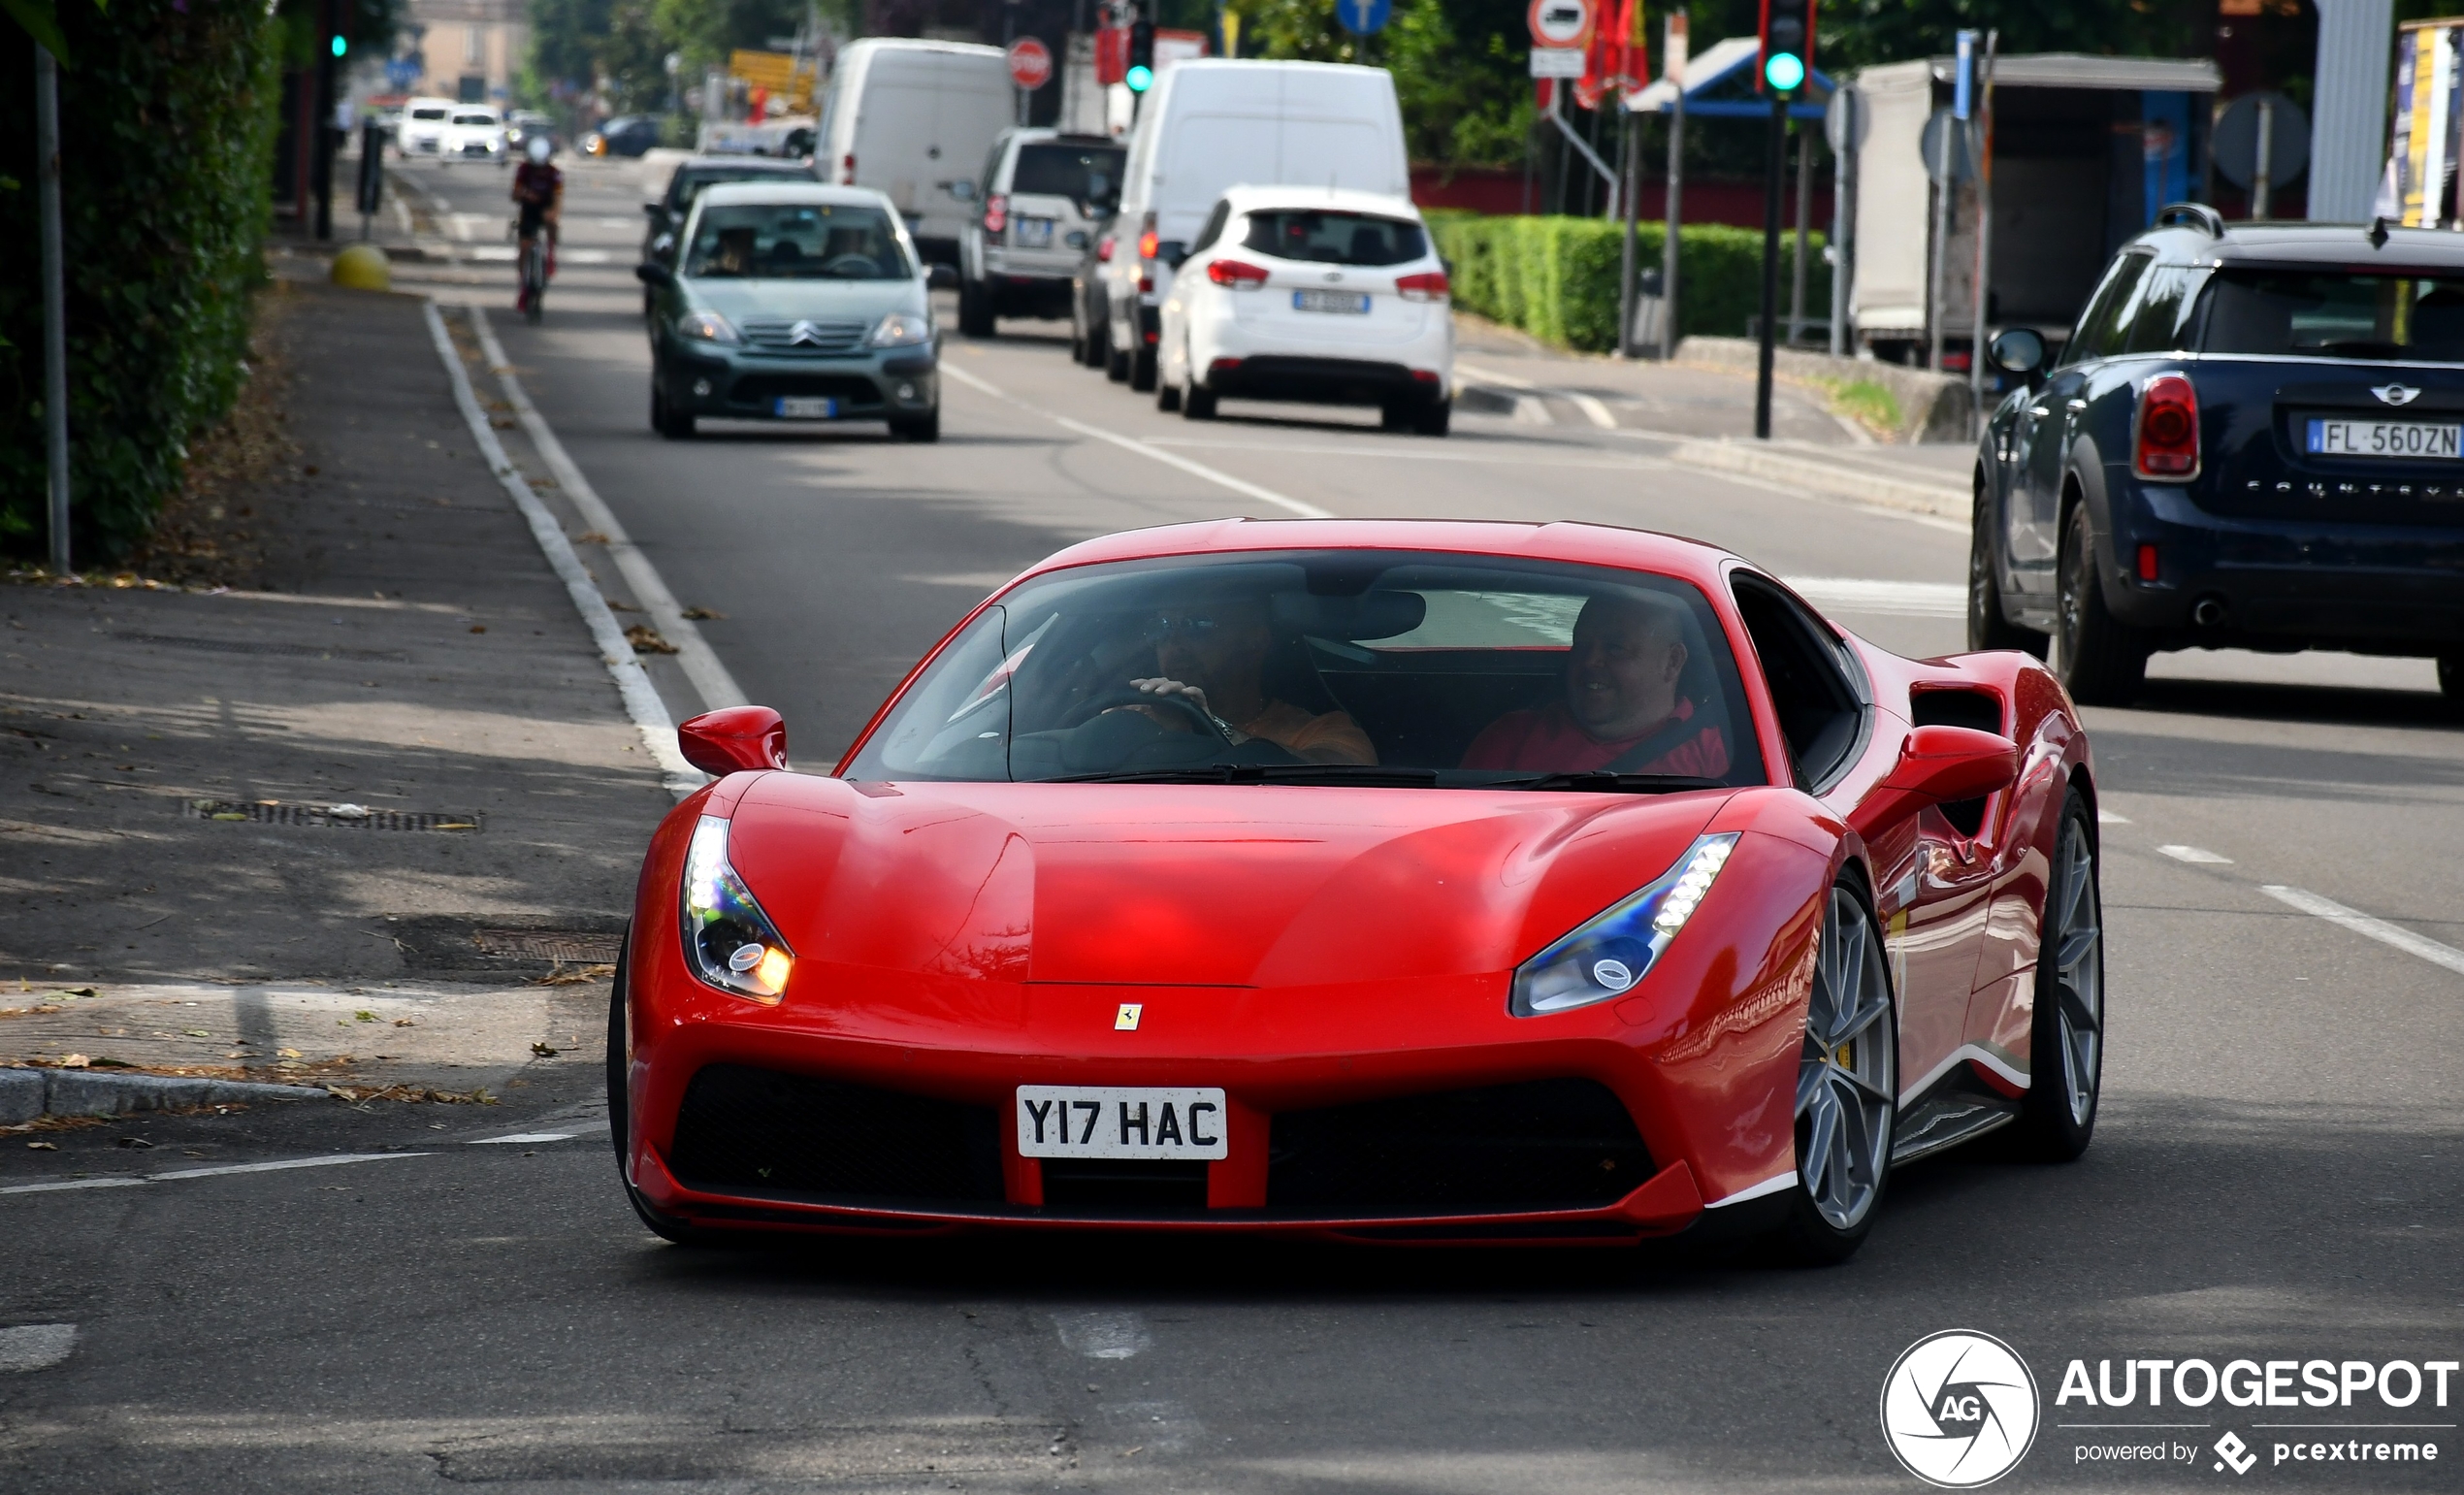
29	1094
1838	480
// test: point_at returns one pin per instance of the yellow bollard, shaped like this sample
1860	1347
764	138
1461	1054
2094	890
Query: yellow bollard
363	267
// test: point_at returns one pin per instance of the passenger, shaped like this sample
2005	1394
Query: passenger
1214	654
1622	710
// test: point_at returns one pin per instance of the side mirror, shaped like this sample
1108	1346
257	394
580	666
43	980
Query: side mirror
2019	350
963	190
1939	765
735	740
654	274
1173	253
942	278
654	210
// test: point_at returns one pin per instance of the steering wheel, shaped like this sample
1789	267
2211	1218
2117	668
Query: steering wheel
852	266
1131	696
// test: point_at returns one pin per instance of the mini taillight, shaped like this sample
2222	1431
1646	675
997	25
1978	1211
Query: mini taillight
1239	275
1431	286
2149	568
996	213
847	169
2166	446
1104	253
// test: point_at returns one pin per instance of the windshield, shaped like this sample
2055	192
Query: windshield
2336	314
1335	238
1337	667
474	119
689	185
797	242
427	114
1082	174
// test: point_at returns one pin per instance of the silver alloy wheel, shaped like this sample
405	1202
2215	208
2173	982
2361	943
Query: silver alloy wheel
1847	1082
2074	936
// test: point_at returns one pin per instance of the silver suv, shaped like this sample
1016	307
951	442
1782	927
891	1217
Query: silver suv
1042	196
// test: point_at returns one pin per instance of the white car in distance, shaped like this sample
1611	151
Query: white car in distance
1311	295
475	133
422	126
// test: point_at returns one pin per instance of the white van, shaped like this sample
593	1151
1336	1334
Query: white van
914	120
1216	123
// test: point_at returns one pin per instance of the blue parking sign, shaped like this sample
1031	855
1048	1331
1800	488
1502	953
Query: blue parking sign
1364	18
402	72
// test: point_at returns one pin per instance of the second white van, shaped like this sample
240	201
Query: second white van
1212	124
914	120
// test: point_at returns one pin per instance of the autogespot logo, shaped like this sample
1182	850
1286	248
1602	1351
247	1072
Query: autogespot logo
1959	1408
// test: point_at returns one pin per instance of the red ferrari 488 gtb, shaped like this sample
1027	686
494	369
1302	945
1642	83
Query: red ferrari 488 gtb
1391	881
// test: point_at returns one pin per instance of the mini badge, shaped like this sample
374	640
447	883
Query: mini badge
1125	1021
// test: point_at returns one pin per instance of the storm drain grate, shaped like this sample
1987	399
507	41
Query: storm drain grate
348	816
297	651
576	946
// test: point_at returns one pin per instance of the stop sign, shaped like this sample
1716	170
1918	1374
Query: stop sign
1030	63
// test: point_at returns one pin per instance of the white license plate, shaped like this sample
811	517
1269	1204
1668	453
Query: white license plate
1345	303
1094	1121
1034	234
786	408
2385	439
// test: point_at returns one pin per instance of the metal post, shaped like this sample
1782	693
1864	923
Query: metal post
1674	211
2261	187
1804	211
1633	201
1984	232
1774	170
1843	223
55	344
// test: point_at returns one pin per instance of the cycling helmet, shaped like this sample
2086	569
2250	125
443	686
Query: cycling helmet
540	149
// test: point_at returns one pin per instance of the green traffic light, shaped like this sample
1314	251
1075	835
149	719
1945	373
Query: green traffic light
341	46
1784	71
1140	79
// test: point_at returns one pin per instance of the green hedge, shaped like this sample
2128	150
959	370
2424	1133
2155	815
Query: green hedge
167	118
1556	278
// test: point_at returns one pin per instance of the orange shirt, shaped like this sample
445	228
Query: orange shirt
1332	738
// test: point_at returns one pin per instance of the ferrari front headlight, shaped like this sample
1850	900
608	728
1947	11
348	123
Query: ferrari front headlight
728	941
1610	954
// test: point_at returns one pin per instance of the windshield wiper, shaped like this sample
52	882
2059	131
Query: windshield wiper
1600	781
1261	773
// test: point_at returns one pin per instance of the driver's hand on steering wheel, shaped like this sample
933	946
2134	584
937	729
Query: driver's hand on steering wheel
1162	685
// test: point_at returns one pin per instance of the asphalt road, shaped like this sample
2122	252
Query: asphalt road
2277	1174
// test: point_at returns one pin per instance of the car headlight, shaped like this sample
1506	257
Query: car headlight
705	327
1609	956
728	941
902	329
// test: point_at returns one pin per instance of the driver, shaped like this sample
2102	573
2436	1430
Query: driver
1214	655
1622	710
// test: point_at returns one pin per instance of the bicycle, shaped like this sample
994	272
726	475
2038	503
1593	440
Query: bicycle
533	298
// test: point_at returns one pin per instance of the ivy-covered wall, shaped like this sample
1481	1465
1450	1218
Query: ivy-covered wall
167	119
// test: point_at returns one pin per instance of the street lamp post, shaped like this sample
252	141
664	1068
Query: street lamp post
55	346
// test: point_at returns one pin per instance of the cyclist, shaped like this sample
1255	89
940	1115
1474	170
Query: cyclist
539	188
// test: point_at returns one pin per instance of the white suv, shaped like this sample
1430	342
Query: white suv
1329	297
1042	194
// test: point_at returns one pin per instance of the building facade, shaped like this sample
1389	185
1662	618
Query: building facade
468	50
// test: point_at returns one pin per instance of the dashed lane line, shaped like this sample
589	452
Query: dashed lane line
2197	856
2445	956
1214	475
133	1181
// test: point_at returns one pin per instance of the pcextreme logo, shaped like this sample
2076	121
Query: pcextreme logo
1960	1409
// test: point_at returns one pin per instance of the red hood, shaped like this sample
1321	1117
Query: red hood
1208	885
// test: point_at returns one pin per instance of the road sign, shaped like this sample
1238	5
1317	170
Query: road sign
1030	63
1559	62
1364	18
2237	140
402	72
1962	151
1561	23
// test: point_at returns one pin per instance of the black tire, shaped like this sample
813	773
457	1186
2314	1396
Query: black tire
1167	397
1987	627
1852	1008
1142	370
1099	345
918	428
2452	681
975	309
1197	403
2066	1043
1394	416
667	421
620	1117
1115	360
2101	660
1432	418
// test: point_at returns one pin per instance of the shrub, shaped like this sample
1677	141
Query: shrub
1556	278
167	120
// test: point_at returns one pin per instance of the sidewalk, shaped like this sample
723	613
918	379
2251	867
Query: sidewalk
337	826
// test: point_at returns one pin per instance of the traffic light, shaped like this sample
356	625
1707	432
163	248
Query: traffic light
1788	45
342	46
1141	76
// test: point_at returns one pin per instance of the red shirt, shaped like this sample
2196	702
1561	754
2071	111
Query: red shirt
536	183
1549	740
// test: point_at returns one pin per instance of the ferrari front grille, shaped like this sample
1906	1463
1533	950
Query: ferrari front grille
743	1130
1541	1145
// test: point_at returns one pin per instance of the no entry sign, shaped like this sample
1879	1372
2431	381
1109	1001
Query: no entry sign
1030	63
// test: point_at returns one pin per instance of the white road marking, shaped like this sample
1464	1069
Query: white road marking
1592	410
1145	449
124	1181
1533	410
632	682
36	1347
2198	855
523	1136
2105	817
1889	599
710	679
1103	1336
2385	933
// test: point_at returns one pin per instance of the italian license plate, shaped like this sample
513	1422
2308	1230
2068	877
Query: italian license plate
2415	438
1344	303
1085	1121
1034	234
786	407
